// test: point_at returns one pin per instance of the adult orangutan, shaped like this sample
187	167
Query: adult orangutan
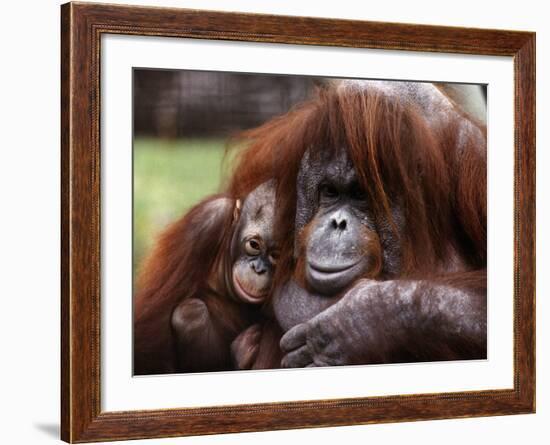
382	222
203	286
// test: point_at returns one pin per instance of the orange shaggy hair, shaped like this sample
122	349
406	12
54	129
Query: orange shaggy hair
438	174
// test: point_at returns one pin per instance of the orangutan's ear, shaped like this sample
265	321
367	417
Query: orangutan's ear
237	210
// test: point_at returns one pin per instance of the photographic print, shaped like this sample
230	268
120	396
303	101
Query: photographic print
275	222
284	221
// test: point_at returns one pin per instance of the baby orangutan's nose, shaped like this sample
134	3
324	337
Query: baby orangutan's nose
258	267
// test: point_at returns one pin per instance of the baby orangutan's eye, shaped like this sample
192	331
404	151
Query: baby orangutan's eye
252	247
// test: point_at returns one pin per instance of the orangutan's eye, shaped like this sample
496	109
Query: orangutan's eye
252	247
328	191
357	192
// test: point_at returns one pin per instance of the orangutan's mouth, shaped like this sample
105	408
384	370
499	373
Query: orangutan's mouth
247	295
330	269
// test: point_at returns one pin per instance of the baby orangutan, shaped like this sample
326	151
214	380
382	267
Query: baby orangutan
214	270
205	325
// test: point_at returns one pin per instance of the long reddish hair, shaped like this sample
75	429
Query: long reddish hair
180	265
436	173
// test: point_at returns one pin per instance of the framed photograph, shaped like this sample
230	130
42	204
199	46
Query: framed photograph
275	222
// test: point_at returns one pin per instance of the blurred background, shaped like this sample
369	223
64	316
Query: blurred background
182	122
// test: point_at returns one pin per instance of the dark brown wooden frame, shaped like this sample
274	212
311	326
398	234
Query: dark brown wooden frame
81	28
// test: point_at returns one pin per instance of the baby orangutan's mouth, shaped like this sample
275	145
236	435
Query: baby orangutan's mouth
250	296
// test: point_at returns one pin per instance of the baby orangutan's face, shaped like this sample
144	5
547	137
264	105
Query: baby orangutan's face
253	270
256	254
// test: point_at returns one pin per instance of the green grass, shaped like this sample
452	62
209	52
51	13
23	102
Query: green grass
169	178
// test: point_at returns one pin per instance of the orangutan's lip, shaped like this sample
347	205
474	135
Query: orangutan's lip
251	298
331	269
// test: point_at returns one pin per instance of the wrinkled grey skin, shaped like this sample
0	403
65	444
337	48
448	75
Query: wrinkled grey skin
375	318
372	319
294	305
